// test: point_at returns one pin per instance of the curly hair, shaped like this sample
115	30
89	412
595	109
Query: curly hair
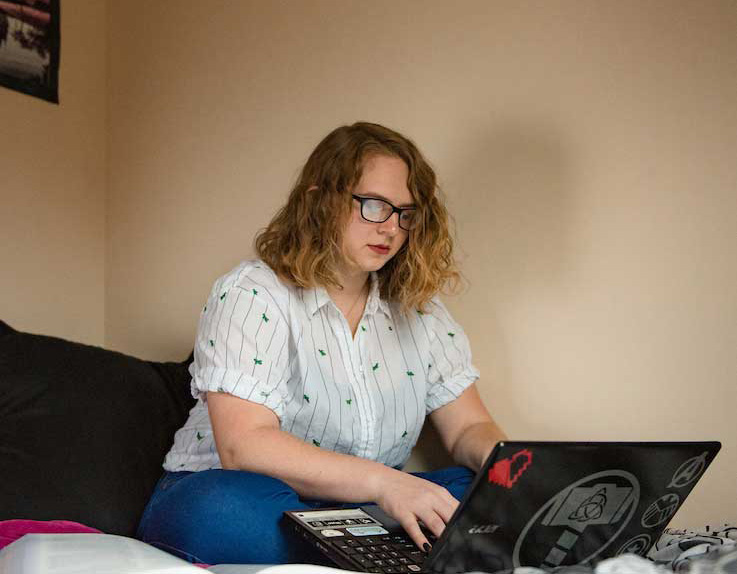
303	242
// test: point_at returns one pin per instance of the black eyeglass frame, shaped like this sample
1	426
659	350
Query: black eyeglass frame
399	210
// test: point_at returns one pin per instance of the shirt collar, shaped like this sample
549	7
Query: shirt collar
316	298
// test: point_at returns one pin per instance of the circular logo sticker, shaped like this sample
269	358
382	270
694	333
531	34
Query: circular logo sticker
638	545
604	500
661	510
689	471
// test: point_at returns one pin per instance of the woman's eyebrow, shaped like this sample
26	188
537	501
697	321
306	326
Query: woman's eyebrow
380	196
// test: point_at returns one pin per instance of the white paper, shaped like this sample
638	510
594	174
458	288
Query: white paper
88	554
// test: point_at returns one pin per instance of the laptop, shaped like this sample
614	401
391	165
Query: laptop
540	504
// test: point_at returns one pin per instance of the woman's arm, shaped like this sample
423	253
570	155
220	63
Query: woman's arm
467	429
247	437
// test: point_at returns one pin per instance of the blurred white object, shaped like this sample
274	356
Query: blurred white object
88	554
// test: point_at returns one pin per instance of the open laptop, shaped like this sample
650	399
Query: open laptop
541	504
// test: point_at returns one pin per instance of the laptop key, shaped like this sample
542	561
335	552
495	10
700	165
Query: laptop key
413	568
362	560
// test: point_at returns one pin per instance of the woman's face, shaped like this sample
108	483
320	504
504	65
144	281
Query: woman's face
370	245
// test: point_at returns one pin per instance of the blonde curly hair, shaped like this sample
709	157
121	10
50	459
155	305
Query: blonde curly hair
303	242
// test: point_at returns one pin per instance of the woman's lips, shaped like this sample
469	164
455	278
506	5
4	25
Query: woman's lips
380	249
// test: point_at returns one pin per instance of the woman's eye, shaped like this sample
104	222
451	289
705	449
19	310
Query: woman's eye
375	206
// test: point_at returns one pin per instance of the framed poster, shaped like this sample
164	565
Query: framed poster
29	47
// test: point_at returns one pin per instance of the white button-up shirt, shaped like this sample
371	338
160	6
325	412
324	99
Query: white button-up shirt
291	350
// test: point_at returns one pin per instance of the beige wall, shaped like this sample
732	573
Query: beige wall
586	149
52	190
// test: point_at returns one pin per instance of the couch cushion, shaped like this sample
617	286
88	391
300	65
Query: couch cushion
83	430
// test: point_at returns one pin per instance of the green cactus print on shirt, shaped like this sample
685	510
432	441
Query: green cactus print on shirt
257	361
322	353
223	295
315	442
254	291
199	436
404	434
451	335
264	317
305	397
348	401
410	374
376	366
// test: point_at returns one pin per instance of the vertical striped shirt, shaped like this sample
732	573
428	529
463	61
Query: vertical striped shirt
291	350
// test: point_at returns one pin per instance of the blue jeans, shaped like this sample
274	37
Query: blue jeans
234	517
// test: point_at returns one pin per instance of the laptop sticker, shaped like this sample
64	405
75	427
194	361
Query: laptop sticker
638	545
661	510
507	471
607	499
689	471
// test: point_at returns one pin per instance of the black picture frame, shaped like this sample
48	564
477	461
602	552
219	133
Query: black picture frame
30	43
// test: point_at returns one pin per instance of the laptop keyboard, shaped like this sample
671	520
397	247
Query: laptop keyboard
389	554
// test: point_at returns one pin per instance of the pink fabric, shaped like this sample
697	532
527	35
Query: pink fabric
11	530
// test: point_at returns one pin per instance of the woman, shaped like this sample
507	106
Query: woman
316	365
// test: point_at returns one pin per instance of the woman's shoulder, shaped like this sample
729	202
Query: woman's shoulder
256	277
433	317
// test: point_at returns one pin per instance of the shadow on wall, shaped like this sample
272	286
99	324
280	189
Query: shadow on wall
513	205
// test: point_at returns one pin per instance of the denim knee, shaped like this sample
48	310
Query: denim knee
222	516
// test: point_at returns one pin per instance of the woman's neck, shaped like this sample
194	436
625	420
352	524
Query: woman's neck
351	299
353	282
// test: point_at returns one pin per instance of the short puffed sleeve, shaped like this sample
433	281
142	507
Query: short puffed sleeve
243	338
451	371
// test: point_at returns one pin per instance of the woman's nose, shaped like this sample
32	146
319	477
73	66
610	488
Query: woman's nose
390	225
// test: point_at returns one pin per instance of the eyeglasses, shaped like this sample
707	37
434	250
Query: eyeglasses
378	210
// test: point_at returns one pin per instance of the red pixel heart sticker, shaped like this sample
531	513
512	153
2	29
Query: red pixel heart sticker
503	474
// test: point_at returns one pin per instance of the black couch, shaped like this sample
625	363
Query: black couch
83	430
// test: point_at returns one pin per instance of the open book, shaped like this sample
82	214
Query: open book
110	554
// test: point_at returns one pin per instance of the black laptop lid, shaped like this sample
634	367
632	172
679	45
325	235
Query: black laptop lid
557	504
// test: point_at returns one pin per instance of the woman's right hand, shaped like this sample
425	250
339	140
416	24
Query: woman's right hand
410	499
